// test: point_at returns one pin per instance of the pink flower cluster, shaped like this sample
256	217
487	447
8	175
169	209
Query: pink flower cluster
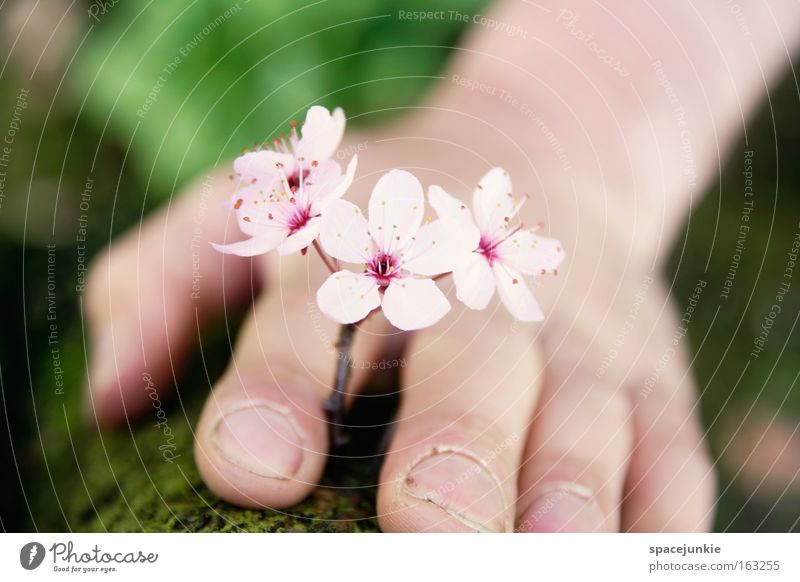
290	196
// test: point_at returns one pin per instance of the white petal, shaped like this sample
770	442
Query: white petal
326	182
318	181
350	173
321	134
255	212
348	297
447	206
414	303
256	245
531	254
474	281
345	233
255	167
395	210
515	295
493	203
302	238
439	246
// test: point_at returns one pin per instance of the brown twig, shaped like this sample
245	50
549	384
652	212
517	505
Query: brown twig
334	405
324	256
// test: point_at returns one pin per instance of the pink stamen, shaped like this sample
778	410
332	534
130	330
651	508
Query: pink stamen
299	219
488	245
383	267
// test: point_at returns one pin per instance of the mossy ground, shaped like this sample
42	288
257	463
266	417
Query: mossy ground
121	480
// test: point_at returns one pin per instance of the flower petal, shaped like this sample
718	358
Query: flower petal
395	210
255	167
474	281
321	134
350	173
447	206
302	238
515	295
256	245
345	233
257	209
347	297
414	303
493	203
531	254
326	182
440	246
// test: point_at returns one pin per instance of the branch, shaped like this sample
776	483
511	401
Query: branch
324	257
334	405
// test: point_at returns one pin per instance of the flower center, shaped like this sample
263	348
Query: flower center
488	248
293	181
299	219
383	267
489	244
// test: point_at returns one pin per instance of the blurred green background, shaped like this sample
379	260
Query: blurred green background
103	105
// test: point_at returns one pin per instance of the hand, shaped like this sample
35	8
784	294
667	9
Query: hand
493	432
587	423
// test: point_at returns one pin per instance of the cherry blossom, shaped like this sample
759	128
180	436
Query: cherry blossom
284	190
504	252
399	254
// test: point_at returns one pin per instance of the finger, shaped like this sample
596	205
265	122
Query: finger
145	293
574	467
671	483
467	398
262	437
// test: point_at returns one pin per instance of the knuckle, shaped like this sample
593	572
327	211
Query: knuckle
490	440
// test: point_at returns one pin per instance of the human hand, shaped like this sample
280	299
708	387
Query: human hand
466	453
563	427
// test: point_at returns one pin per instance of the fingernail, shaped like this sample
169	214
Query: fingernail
260	439
563	507
459	486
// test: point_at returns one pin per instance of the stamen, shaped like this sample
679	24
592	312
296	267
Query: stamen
383	267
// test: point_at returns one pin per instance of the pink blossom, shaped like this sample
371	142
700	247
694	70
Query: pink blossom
399	253
505	251
284	190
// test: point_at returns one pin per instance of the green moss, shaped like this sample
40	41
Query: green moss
120	480
130	487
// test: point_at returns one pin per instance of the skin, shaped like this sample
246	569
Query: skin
534	427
